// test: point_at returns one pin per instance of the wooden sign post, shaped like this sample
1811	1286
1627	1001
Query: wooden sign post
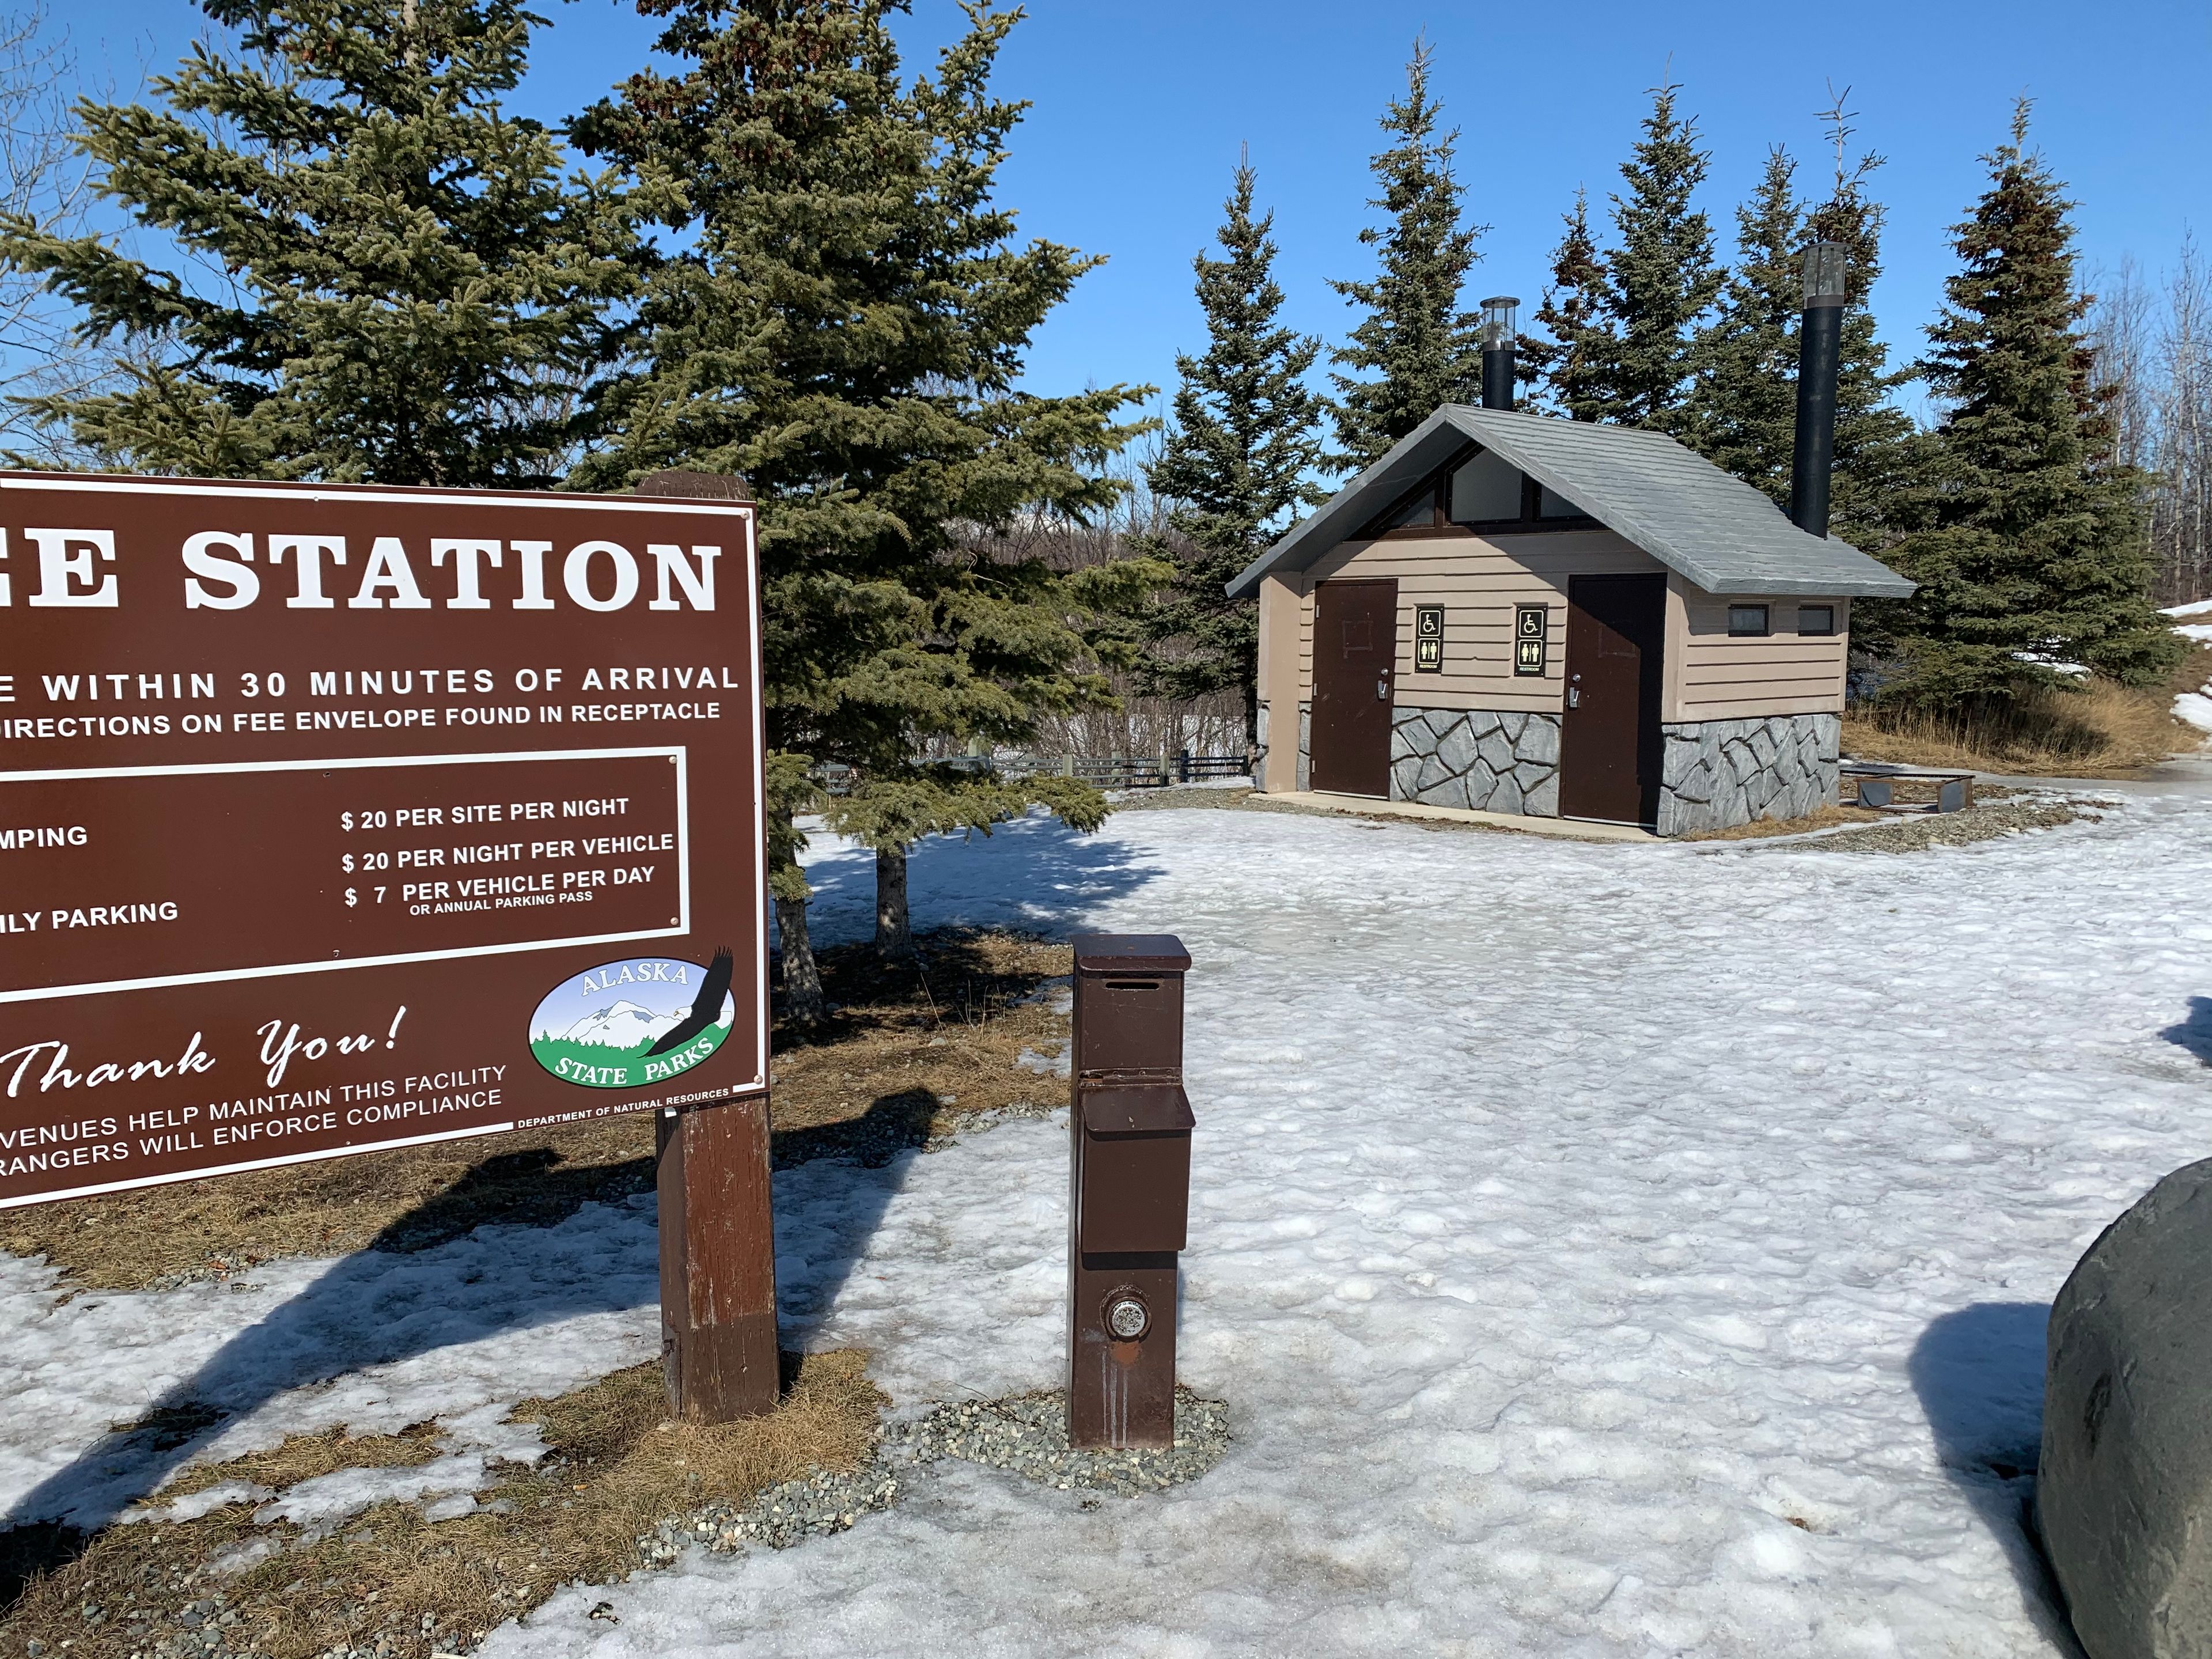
719	1347
334	819
718	1262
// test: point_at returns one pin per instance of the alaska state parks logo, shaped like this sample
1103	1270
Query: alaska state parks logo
631	1024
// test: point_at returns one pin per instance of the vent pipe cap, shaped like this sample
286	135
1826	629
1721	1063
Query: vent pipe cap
1498	321
1826	268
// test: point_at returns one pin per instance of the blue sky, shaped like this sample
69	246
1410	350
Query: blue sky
1142	106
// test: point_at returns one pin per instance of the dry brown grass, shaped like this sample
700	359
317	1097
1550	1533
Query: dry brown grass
2193	675
305	1456
2103	731
409	1198
618	1466
872	1079
913	1049
1827	817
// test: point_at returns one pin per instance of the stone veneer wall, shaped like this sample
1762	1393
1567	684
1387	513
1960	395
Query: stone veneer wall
1305	747
1476	759
1719	774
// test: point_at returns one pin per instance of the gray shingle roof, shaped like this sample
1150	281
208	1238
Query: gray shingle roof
1675	505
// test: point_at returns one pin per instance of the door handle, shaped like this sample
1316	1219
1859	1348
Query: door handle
1574	696
1382	691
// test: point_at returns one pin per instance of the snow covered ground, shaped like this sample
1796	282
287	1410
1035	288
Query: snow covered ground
2197	620
1604	1250
373	1342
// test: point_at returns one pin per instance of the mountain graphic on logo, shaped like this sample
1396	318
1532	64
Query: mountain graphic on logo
622	1026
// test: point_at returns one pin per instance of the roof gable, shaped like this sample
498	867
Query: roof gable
1718	532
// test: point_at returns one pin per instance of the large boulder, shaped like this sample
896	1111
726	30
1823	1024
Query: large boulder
2124	1489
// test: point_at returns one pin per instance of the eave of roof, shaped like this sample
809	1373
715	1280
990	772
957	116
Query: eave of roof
1718	532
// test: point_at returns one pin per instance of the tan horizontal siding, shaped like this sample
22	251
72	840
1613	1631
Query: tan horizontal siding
1713	675
1280	601
1479	580
1768	701
1551	556
1781	648
1710	675
1738	665
1531	696
1696	675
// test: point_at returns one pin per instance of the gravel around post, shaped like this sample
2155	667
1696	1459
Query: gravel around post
1026	1434
1022	1434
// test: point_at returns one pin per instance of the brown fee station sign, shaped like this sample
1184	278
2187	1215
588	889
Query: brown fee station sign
334	819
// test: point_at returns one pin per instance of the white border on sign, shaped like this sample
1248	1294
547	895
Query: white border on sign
761	902
676	753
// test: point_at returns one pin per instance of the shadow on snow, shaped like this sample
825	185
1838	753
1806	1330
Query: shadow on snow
407	1293
2194	1033
1979	1376
1034	873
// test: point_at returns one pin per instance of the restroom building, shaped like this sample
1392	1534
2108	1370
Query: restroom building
1515	613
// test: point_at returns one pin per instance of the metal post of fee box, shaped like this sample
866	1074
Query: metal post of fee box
1128	1187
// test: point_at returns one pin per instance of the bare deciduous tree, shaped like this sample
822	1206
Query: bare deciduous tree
44	177
2153	357
2181	503
1144	727
2122	335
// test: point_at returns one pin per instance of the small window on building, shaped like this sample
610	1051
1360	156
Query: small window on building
1486	490
1549	506
1420	511
1416	512
1816	619
1747	620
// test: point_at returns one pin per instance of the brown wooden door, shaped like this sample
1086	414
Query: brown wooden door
1611	751
1355	655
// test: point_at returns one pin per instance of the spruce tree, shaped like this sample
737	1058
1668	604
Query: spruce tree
1414	336
1563	363
1659	280
1662	272
1741	411
843	324
2032	550
1879	452
388	278
1235	464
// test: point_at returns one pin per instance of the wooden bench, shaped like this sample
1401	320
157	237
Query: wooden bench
1909	789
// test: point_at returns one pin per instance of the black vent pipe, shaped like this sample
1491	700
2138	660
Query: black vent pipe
1497	351
1819	350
